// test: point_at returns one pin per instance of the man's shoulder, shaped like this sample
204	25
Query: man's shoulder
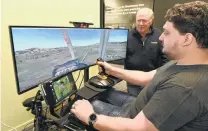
191	77
167	65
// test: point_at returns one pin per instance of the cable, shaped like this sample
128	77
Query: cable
46	111
81	82
27	125
77	76
8	126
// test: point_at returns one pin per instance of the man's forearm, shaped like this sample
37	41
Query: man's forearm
133	77
106	123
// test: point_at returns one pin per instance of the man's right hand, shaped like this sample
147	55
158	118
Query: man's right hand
108	68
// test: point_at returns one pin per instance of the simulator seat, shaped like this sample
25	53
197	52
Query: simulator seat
113	103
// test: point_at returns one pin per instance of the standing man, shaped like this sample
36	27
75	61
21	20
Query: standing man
144	48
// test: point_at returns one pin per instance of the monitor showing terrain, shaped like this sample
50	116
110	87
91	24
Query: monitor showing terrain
42	53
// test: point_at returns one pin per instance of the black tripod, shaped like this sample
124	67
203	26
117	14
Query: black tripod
43	123
35	105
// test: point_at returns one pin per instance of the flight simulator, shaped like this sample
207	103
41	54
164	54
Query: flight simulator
46	57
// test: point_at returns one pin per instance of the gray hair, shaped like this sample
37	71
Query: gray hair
148	11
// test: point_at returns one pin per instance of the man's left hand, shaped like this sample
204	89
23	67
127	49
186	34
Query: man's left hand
82	109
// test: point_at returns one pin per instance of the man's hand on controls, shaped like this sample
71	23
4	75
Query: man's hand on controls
82	109
108	68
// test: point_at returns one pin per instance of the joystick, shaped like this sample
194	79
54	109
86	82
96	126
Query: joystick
101	80
103	69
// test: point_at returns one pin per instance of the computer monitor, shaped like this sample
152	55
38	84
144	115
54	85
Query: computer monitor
44	53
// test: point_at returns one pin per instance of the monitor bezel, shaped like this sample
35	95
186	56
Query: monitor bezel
19	92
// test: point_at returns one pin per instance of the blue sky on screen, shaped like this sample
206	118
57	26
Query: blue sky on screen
26	38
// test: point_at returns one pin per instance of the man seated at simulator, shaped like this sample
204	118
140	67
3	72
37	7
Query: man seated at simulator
175	96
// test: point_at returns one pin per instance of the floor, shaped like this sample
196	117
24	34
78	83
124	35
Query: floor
121	85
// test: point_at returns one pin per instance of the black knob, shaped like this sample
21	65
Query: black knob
100	59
